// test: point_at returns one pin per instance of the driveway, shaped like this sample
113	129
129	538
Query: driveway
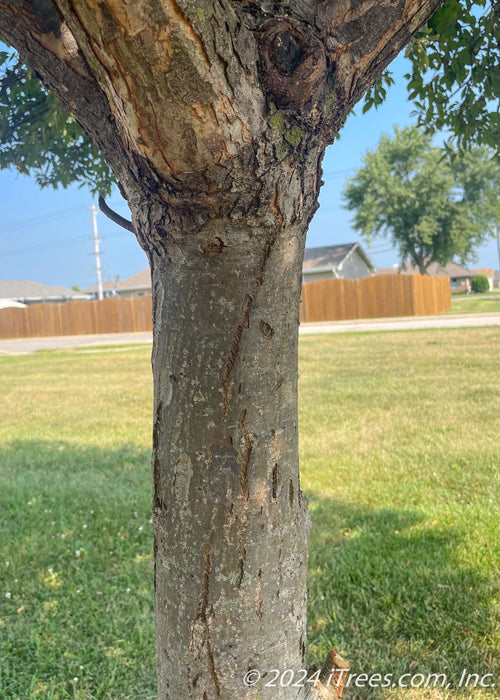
21	346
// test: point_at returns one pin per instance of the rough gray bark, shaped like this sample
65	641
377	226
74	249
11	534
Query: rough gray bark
231	523
214	116
225	464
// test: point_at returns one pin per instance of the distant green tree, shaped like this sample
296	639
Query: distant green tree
432	208
480	284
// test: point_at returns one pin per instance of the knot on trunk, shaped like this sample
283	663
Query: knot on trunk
287	53
292	61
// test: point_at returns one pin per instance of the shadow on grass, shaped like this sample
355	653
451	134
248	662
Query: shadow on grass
76	534
389	590
386	588
56	468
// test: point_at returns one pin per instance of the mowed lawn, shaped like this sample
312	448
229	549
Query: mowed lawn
400	453
475	303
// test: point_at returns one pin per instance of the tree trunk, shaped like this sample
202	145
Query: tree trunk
214	117
231	523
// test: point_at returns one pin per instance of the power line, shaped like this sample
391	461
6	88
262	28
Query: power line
118	234
55	244
42	246
45	218
26	223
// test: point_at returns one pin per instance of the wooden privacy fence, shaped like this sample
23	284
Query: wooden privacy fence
115	315
380	296
324	300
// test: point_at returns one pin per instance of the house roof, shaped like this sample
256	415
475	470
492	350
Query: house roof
108	285
449	270
488	271
140	280
28	289
332	256
434	269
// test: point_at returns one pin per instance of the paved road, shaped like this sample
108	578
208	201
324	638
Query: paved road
21	346
26	345
403	323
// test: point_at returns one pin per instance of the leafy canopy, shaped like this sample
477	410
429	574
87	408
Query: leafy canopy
431	207
454	82
454	77
38	137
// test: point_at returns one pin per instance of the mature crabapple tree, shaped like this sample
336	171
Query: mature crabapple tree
214	116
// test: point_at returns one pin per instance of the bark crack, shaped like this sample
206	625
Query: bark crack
191	33
244	319
241	561
202	616
207	570
290	494
158	503
258	596
280	569
241	422
234	348
245	459
275	482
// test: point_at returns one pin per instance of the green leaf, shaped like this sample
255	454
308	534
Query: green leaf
38	137
445	16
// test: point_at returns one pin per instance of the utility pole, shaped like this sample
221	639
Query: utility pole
498	242
96	238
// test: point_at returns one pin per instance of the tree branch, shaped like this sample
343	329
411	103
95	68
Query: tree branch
114	216
45	43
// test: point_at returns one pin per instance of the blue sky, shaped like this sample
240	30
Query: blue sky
45	235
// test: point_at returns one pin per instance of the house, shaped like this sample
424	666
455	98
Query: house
28	292
137	285
134	286
496	279
460	278
347	261
11	304
109	289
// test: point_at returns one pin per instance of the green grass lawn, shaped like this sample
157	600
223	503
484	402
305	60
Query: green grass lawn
400	460
475	303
